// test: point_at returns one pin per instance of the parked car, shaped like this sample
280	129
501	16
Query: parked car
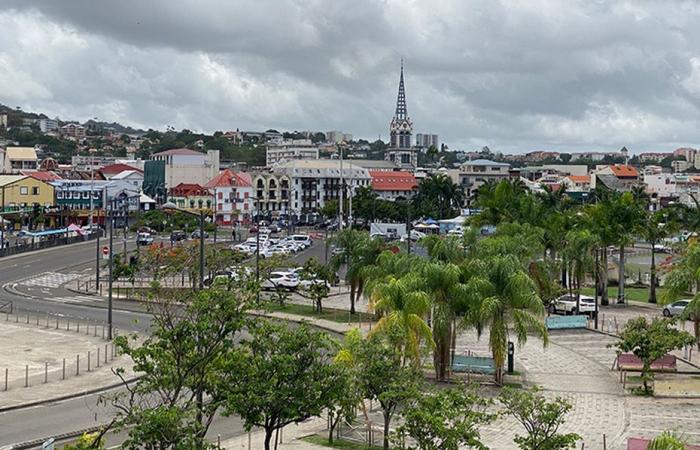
283	279
177	236
566	304
144	238
675	308
302	239
195	235
415	236
660	248
306	284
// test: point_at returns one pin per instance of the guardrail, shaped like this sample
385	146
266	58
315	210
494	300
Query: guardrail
55	242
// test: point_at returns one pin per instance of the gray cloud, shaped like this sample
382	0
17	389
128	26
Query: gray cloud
517	76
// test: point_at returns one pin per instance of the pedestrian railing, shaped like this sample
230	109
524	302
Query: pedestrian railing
39	245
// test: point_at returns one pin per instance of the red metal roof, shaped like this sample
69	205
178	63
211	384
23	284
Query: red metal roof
229	178
118	168
188	189
392	181
41	175
624	171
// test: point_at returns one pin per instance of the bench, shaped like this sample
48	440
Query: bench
630	362
566	322
473	364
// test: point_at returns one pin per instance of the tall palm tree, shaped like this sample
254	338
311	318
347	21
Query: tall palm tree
438	195
578	254
507	299
654	227
628	214
357	251
403	308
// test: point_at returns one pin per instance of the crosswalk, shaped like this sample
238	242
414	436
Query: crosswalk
73	299
50	279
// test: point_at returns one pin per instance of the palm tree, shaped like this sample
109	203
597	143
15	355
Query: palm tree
507	299
403	308
438	195
653	228
683	278
578	254
628	215
357	251
442	282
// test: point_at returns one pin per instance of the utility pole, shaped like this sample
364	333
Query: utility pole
597	286
408	227
257	246
201	249
92	188
111	265
342	187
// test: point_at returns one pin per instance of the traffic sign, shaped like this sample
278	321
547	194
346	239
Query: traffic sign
105	252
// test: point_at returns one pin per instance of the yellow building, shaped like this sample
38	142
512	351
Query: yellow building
21	191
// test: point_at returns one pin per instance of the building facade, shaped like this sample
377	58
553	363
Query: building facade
427	140
17	159
191	197
476	173
392	186
401	150
182	165
233	196
22	191
285	150
272	193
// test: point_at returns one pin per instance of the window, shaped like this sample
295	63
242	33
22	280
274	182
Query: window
23	190
220	195
220	207
35	190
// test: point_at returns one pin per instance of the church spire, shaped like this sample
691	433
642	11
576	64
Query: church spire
401	99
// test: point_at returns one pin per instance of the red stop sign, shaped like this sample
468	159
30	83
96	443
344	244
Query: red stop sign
105	250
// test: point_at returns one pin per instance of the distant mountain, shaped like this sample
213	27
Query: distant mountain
117	127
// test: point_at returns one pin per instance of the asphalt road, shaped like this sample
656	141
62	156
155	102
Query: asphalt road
82	412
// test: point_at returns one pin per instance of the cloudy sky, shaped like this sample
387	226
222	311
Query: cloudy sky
514	75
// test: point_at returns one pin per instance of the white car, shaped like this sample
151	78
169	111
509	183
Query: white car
566	304
307	284
415	236
675	308
283	279
303	239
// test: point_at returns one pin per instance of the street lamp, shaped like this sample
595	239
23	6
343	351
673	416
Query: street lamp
173	206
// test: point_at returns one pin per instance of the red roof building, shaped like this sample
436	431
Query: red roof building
41	175
188	190
623	171
392	185
229	178
114	169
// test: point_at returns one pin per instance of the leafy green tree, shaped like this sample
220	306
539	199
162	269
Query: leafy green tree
402	308
650	341
179	364
628	215
540	418
508	300
87	442
319	277
438	197
578	254
666	441
444	420
683	278
281	375
385	379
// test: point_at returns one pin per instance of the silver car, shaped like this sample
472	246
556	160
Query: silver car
675	308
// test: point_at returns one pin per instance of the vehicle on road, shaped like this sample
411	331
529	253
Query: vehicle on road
675	309
195	235
566	304
144	239
415	236
302	239
281	279
177	236
307	284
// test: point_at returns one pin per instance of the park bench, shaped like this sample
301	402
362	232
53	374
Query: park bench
566	322
630	362
473	364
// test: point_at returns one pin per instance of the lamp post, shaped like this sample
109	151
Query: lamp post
257	247
111	264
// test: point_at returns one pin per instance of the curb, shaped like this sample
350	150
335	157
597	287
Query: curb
58	438
67	396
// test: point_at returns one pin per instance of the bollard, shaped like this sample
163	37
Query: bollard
46	372
37	321
88	361
98	356
95	330
57	323
16	319
87	328
103	332
77	365
78	327
105	353
26	375
47	321
6	374
27	318
63	374
67	324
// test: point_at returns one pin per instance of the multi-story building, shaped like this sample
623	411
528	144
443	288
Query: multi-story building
82	195
192	197
393	185
681	165
182	165
476	173
3	120
664	188
653	156
284	150
48	125
619	177
316	182
337	137
400	149
233	197
272	193
73	130
19	158
22	191
427	140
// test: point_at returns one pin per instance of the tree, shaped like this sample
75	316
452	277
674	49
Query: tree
385	379
444	420
540	418
507	299
179	364
438	196
87	442
403	307
685	277
281	375
650	341
627	215
357	251
577	253
653	228
319	278
666	441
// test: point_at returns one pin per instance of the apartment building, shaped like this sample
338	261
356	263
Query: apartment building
279	150
19	158
233	196
476	173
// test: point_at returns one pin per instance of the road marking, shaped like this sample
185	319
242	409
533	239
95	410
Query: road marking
50	279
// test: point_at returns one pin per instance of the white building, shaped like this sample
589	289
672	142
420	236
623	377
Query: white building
48	125
233	197
285	150
427	140
474	174
19	158
133	177
393	185
183	165
316	182
666	187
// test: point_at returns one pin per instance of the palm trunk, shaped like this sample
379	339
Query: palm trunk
621	276
352	296
652	287
604	278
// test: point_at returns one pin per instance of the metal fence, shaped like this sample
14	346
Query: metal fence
48	243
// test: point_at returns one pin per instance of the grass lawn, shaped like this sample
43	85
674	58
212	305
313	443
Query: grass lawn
335	315
633	294
322	440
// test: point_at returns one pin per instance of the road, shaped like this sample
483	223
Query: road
79	413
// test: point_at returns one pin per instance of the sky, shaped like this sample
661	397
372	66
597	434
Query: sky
518	76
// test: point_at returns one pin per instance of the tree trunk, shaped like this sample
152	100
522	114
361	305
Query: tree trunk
652	287
387	419
352	296
604	278
696	327
621	276
268	438
331	428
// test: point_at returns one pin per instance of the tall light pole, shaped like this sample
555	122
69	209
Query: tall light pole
257	246
111	264
342	188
